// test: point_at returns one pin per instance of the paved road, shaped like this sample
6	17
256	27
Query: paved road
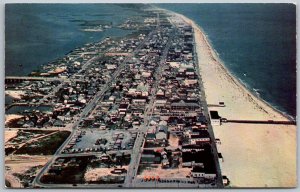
13	180
87	109
130	180
84	66
138	147
205	111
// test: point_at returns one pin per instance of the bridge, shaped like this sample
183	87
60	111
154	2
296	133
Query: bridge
260	122
19	79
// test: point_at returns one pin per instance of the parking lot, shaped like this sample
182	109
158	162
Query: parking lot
88	140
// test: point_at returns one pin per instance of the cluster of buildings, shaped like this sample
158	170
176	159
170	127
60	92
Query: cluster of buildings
142	85
134	23
178	111
86	71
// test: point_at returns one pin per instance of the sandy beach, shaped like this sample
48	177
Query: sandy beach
255	155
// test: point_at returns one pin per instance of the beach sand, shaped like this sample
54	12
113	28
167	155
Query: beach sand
255	155
11	117
8	134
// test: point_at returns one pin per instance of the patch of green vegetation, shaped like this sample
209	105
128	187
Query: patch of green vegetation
141	168
72	173
45	146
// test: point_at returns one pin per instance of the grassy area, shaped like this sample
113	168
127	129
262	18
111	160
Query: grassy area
141	168
71	173
45	146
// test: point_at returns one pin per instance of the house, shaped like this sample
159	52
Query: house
160	92
174	64
189	82
184	106
165	163
161	133
151	134
193	147
215	118
123	108
202	119
196	155
204	172
160	101
199	136
207	170
146	74
150	157
138	112
111	66
139	101
132	91
192	158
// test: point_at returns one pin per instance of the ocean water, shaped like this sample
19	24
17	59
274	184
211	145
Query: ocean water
36	34
256	42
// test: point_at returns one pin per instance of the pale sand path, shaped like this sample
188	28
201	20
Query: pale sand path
16	94
20	164
8	134
255	155
96	173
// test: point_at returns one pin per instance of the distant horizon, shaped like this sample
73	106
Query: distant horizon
279	100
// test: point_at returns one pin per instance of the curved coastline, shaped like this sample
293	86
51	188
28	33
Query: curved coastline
255	154
232	76
239	81
258	100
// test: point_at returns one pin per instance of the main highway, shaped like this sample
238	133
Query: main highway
138	147
219	181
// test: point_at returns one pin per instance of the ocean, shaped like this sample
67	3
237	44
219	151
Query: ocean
256	42
36	34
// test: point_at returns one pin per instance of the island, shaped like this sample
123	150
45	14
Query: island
153	109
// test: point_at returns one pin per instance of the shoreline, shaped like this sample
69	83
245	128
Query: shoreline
252	158
234	78
238	81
